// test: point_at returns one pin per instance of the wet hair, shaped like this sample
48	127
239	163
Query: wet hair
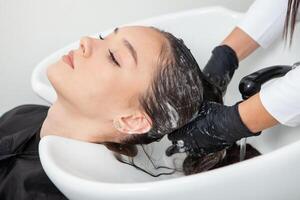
290	20
175	93
173	98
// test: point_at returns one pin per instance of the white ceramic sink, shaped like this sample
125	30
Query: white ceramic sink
89	171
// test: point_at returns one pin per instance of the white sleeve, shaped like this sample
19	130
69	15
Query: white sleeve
264	21
281	98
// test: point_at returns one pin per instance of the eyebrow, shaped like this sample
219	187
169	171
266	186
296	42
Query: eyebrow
129	47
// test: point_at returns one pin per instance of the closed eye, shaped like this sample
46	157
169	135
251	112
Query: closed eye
113	59
111	56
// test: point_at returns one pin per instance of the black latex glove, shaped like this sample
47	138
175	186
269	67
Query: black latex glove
221	66
216	127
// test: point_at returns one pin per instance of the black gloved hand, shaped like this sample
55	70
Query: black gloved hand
221	66
216	127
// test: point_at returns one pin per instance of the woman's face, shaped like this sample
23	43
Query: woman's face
109	74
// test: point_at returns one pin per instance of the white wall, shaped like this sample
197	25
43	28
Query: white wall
32	29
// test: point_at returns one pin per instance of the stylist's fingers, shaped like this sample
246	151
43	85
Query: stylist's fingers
183	132
174	148
176	135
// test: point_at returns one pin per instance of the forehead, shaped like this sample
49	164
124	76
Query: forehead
146	41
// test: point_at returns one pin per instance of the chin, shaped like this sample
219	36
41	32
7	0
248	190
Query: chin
55	74
52	75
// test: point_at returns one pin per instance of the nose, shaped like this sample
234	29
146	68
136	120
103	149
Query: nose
86	46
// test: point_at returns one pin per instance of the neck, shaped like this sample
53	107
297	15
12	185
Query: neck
66	122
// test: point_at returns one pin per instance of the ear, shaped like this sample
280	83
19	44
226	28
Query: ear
137	123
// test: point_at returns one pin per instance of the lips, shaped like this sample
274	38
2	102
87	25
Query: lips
68	59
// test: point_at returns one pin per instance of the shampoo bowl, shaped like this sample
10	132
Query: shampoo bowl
90	171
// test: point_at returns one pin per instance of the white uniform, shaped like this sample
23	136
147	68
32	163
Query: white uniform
264	22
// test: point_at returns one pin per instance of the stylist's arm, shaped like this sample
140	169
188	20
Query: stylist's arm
218	126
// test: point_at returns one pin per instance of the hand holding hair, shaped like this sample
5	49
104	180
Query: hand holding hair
216	127
220	67
202	136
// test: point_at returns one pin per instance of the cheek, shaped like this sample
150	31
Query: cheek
95	92
112	91
75	87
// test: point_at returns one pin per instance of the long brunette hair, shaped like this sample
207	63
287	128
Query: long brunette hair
290	20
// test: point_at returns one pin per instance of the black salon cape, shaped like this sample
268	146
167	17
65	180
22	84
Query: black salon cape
21	172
